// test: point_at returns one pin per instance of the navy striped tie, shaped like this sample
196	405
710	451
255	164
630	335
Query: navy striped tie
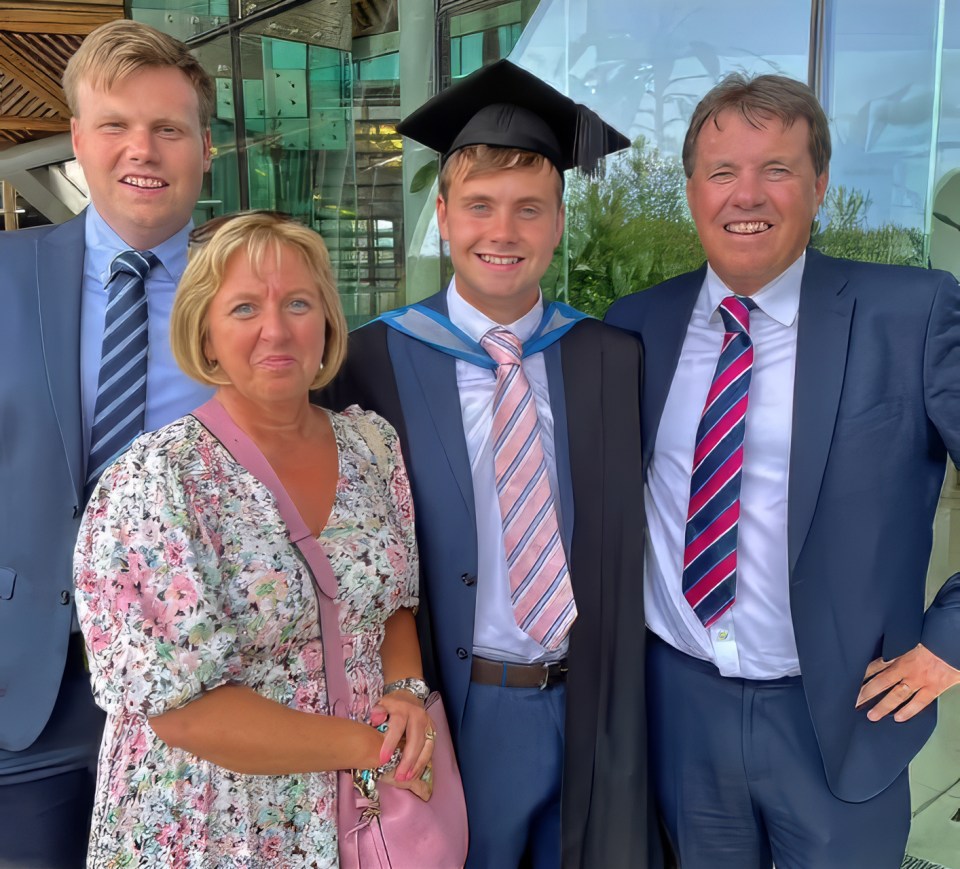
122	387
713	515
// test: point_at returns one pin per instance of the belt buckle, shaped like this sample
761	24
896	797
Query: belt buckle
546	676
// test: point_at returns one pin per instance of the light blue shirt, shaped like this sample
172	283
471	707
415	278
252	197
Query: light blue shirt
170	393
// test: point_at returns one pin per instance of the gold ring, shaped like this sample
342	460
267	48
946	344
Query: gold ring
430	734
427	775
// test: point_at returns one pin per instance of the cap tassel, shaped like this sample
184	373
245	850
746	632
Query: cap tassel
590	141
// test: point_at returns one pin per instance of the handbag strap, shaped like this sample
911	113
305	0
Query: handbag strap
214	417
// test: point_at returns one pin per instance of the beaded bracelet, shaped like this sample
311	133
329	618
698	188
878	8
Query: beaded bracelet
365	780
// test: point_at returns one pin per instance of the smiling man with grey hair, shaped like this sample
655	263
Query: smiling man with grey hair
798	412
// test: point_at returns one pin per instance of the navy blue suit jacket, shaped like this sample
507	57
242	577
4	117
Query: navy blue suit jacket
593	381
41	468
876	411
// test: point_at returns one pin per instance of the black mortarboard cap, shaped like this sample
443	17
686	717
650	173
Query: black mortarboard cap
507	107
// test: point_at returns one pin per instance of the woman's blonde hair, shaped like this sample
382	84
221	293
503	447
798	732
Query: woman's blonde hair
258	234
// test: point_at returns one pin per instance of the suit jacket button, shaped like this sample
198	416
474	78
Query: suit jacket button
65	597
468	579
462	654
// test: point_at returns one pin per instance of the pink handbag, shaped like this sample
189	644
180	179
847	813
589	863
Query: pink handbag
400	831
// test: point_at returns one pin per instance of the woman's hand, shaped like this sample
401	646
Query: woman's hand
408	721
422	786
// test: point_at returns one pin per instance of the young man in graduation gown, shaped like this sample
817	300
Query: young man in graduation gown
519	422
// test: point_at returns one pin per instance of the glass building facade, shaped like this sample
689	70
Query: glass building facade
309	93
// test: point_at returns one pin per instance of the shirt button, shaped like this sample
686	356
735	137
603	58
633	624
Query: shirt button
468	579
462	654
722	635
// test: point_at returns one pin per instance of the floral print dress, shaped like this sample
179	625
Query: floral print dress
186	580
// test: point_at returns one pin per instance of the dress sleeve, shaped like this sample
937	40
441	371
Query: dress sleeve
150	596
401	503
394	485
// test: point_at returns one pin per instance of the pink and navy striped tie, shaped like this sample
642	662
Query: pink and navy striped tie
713	515
540	588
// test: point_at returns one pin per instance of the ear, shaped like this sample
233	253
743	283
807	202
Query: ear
561	223
820	186
442	218
207	150
74	134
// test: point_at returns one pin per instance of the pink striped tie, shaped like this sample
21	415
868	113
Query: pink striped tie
540	589
713	516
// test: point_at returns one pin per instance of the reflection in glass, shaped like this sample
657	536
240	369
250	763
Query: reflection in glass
184	19
644	66
945	222
880	64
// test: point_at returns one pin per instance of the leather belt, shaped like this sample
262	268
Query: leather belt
506	675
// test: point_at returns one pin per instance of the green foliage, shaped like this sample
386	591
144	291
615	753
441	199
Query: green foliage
846	209
625	232
424	176
844	232
898	245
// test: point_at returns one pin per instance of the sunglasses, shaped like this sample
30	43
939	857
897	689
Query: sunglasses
203	233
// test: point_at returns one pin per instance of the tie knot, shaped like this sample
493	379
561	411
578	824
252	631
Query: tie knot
503	346
735	311
133	262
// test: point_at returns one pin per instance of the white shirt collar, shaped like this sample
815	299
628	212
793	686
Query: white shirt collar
476	324
779	300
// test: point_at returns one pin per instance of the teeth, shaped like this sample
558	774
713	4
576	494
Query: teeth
748	228
499	260
137	181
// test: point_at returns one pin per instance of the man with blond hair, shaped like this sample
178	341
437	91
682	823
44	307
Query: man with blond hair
84	343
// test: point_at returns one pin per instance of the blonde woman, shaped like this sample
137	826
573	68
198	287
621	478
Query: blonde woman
199	616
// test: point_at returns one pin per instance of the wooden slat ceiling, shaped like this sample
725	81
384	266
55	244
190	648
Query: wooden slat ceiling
37	38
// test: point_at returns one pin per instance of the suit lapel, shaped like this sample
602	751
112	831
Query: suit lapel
823	334
435	376
60	256
662	332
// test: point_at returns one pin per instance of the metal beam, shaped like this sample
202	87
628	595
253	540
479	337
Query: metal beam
24	166
32	188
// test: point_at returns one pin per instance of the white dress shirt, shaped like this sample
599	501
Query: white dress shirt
754	639
170	393
495	633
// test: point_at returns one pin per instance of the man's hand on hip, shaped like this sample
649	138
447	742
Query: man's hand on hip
908	683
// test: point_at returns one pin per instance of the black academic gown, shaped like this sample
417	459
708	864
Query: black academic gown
594	375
